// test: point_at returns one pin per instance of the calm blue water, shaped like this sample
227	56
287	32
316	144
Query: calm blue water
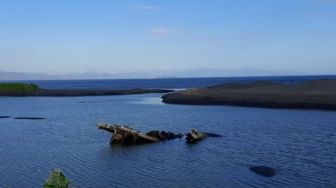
299	144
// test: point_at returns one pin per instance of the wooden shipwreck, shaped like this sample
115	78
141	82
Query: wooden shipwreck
128	136
194	136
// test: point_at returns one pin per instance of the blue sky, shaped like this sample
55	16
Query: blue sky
106	36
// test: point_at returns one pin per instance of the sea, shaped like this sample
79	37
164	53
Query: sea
299	144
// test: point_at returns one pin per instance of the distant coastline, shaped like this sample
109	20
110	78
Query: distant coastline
316	94
31	90
164	83
279	92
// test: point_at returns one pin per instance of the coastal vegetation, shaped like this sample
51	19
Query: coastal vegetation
18	87
56	179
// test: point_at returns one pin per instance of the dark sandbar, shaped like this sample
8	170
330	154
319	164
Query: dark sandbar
318	94
30	118
23	90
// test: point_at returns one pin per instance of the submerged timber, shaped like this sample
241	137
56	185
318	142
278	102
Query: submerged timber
128	136
31	90
318	94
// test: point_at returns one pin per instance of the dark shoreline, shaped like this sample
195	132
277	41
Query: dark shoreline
318	94
78	92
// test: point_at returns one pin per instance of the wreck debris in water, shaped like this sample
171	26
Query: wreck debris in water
194	136
128	136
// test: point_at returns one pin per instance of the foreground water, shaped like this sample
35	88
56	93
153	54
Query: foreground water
299	144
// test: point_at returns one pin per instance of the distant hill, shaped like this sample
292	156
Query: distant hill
192	73
24	76
12	76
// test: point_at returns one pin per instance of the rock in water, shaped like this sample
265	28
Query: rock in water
56	180
263	170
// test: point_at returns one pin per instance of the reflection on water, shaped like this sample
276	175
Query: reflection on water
299	144
149	100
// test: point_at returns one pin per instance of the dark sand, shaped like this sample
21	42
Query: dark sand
318	94
30	118
82	92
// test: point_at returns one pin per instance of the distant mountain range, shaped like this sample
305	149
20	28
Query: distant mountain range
4	76
23	76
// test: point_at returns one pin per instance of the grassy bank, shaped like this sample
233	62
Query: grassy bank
18	87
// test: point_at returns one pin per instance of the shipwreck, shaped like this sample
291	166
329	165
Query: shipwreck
128	136
125	135
195	136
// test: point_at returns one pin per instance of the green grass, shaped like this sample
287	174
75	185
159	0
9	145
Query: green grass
18	87
56	180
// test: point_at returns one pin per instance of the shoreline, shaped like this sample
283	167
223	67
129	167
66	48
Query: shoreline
78	92
318	94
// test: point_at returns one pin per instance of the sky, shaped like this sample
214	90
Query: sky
168	37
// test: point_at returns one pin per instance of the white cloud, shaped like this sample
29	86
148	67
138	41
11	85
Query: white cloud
162	31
